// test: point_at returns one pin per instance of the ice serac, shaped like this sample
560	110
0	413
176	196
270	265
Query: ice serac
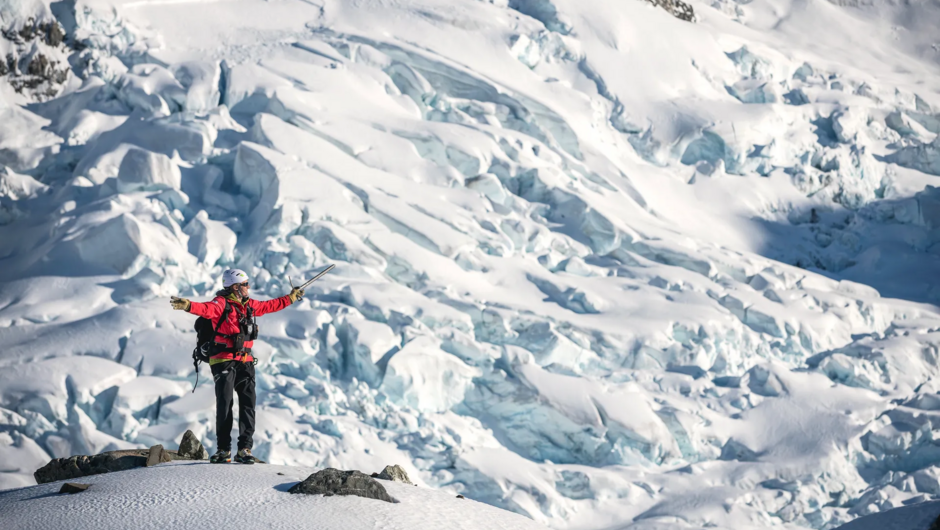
424	377
209	240
201	82
145	170
923	157
258	172
116	245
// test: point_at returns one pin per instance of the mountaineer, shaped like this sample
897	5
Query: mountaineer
232	314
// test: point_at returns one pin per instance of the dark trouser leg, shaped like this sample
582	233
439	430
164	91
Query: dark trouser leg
224	376
245	387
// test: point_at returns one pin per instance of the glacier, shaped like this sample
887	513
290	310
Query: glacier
610	265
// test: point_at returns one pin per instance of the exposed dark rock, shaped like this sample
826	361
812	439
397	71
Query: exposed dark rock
157	456
461	497
32	72
73	487
38	65
676	8
51	33
83	465
191	448
395	473
332	481
55	35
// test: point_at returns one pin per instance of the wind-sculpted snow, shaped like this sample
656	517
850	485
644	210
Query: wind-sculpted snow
594	264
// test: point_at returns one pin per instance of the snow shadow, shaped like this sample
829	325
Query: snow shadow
891	245
42	496
286	486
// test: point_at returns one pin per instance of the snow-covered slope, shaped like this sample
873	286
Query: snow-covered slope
236	496
917	517
595	264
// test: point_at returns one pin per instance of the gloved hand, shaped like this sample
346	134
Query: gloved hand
180	303
296	294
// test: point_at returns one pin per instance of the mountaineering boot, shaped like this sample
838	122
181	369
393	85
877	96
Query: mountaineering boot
244	457
221	457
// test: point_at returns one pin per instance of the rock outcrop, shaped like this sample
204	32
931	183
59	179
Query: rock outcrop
676	8
332	481
35	63
395	473
84	465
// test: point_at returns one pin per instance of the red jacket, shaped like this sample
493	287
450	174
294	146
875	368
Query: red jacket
213	310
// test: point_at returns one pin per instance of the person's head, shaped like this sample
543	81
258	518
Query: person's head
236	281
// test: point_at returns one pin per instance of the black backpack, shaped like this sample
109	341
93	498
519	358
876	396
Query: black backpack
205	339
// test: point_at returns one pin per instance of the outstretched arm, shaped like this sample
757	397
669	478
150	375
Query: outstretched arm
211	310
269	306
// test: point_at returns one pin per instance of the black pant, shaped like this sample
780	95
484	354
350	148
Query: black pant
240	377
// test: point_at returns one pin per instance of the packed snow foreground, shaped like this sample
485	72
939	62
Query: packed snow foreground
595	264
182	495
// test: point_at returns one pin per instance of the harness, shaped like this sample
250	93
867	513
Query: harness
247	332
209	347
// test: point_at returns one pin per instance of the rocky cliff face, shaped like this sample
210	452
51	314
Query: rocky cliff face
34	57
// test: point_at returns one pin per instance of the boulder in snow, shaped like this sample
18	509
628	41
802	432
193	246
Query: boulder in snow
108	462
73	487
157	455
191	448
84	465
395	473
332	481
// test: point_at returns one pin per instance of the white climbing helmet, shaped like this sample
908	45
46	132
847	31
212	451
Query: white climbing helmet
233	276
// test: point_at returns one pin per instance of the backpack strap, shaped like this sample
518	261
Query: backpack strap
215	332
222	318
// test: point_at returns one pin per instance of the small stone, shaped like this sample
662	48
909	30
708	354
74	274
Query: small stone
330	481
191	448
279	473
157	456
73	487
394	473
461	497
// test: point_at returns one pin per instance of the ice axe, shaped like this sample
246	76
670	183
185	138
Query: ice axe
311	280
